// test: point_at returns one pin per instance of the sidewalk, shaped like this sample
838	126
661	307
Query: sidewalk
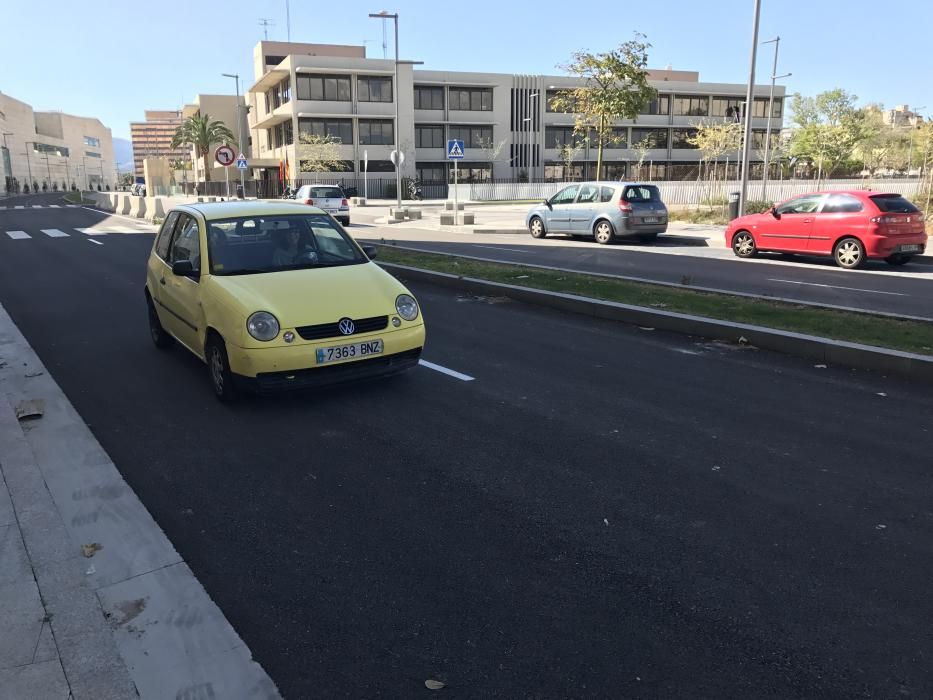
86	575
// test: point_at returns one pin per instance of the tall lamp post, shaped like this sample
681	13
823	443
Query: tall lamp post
239	137
746	141
398	141
774	78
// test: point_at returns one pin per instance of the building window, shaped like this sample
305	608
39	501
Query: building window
60	151
680	138
552	98
91	154
730	108
429	136
471	99
326	88
376	132
431	172
340	129
429	97
760	109
274	60
285	91
618	138
91	141
557	136
659	105
613	171
688	106
377	166
471	172
372	89
472	136
652	138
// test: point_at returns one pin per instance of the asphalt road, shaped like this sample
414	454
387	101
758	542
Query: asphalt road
605	511
905	291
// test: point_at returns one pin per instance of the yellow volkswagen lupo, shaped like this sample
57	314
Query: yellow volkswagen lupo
275	296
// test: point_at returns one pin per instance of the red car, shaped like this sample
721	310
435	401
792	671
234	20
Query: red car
851	226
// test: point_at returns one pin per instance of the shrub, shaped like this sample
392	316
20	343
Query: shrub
757	206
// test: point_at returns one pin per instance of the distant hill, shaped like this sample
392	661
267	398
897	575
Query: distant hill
123	154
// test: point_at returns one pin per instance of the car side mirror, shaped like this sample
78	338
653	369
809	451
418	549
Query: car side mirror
371	251
775	213
547	203
183	268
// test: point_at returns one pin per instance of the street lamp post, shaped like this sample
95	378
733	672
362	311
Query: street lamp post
746	142
398	141
239	137
28	162
774	78
531	125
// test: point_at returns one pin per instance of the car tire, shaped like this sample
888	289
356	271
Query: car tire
345	222
218	369
743	245
849	253
898	259
160	338
536	227
604	233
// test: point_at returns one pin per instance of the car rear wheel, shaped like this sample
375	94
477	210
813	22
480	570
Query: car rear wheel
743	245
898	259
849	253
536	228
219	369
160	338
603	232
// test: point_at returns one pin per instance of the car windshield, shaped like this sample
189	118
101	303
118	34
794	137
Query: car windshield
257	244
323	193
894	203
641	193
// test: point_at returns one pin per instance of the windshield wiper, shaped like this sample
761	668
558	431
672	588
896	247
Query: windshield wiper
244	271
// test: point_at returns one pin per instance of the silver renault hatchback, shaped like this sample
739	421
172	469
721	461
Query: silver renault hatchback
603	210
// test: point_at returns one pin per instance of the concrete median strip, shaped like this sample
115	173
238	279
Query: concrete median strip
88	573
823	350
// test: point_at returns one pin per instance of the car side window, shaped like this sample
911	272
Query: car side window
566	195
588	193
807	204
605	194
842	204
165	235
187	245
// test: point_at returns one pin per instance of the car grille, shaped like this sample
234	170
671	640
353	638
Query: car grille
331	330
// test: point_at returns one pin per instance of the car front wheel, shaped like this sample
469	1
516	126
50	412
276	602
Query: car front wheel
604	233
219	369
743	245
849	253
536	228
160	338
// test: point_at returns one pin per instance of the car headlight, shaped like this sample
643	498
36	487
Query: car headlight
263	326
407	307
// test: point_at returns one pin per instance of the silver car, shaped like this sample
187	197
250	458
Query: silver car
603	210
330	198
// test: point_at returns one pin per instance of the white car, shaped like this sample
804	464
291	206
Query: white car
330	198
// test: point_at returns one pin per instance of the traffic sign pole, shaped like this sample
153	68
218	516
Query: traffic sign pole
456	199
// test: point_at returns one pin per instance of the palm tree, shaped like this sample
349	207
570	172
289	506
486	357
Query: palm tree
202	133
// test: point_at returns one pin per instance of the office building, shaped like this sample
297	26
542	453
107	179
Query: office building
152	138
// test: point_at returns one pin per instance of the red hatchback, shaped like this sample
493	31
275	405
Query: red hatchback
851	226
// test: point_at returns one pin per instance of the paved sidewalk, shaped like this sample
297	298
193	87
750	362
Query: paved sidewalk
95	602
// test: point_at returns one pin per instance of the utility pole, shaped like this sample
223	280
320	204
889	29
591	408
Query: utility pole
774	78
746	142
288	22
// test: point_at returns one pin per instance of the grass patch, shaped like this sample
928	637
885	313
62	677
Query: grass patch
717	216
880	331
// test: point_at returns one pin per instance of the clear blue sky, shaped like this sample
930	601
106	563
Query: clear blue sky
113	59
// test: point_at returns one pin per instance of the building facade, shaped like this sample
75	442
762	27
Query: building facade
510	124
901	116
228	109
152	138
52	149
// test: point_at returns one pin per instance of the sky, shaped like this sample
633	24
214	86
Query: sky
114	59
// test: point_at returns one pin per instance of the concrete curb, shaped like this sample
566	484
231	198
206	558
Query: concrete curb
824	350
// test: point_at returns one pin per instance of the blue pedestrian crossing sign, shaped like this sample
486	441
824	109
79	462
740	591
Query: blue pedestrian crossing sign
454	149
241	162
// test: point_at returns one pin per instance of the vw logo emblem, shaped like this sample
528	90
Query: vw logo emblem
346	327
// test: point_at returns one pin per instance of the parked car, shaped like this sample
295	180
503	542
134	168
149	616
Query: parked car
603	210
275	296
330	198
851	226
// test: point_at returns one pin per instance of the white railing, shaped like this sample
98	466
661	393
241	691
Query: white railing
692	193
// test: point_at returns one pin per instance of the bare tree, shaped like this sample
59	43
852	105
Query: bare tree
568	153
319	154
491	149
642	148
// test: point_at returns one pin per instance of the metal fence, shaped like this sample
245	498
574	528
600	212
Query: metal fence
693	193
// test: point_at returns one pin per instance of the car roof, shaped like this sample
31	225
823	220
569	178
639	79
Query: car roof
613	183
854	193
212	211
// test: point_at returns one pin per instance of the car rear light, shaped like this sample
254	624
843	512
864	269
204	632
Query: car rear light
625	207
343	202
890	219
309	201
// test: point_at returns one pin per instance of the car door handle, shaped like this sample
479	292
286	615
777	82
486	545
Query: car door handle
808	221
162	281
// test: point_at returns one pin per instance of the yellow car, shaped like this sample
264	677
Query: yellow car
276	296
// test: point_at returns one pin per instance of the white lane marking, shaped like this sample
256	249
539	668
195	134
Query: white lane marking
91	232
2	208
56	206
37	206
54	233
19	206
91	240
495	247
73	206
833	286
18	235
444	370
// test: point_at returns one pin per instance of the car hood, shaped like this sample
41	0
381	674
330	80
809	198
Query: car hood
315	295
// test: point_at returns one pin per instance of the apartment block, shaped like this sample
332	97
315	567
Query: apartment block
52	149
152	138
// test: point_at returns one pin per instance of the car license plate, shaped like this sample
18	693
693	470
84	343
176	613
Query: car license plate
353	351
910	248
651	220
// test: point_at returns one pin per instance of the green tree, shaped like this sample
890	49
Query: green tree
827	130
203	133
319	154
615	86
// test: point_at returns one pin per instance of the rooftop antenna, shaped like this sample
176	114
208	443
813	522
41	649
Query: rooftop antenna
288	22
385	41
265	23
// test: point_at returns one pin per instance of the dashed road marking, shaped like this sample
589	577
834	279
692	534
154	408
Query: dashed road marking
54	233
444	370
18	235
91	231
91	240
833	286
